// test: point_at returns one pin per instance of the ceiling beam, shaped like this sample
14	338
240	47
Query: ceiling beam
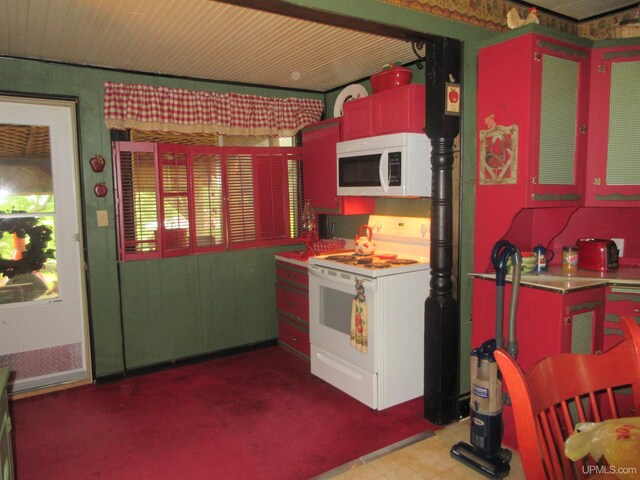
281	7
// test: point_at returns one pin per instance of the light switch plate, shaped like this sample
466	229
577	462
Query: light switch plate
103	218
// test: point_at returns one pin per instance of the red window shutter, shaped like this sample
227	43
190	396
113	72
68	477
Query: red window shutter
241	217
174	192
295	193
179	199
272	202
208	205
137	200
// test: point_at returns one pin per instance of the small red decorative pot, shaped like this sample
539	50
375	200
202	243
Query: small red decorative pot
391	78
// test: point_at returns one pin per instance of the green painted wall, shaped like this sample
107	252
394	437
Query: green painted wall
165	301
171	308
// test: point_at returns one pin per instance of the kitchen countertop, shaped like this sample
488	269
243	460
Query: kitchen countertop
293	258
556	280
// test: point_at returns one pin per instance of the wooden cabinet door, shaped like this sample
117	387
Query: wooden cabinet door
583	312
357	119
532	93
621	301
400	109
320	181
613	176
559	117
320	171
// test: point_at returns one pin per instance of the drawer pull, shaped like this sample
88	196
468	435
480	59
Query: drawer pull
290	303
293	339
636	310
291	275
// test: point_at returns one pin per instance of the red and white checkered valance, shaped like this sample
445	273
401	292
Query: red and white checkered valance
144	107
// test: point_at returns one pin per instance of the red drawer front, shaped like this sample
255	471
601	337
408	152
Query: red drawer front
292	302
293	275
294	337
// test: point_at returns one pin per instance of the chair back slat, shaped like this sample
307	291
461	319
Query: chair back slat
595	408
560	391
612	403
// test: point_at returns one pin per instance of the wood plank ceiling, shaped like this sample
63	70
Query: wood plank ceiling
195	38
216	40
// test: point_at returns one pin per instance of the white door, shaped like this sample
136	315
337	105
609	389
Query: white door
43	318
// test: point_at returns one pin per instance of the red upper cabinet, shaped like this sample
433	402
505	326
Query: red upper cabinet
532	117
613	169
400	109
320	178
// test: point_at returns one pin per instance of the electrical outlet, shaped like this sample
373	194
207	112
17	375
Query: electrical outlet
103	218
620	244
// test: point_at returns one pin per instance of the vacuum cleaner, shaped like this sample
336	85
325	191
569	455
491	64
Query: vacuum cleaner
485	453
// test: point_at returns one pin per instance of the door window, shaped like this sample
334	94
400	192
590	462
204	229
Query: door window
28	268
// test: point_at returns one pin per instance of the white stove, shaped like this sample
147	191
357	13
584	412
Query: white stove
394	284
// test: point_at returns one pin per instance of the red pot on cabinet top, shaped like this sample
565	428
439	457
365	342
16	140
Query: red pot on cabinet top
391	78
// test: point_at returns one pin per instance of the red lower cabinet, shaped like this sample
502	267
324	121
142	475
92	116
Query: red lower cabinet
547	323
622	301
292	303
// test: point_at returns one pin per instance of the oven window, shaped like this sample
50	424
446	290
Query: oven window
335	311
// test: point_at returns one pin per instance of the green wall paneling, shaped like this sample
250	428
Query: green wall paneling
40	78
185	306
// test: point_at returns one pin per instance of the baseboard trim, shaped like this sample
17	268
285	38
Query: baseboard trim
182	362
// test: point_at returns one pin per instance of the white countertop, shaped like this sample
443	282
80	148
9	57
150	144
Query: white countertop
556	280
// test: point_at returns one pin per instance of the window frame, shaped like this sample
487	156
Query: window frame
269	193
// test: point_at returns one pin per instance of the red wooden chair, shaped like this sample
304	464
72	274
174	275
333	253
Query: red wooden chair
565	389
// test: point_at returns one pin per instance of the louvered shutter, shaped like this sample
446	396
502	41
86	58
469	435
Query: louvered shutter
174	192
137	197
272	196
208	205
240	199
278	183
295	193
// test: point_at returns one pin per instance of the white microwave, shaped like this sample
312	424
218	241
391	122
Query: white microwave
395	165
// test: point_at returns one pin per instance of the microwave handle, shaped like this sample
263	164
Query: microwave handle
383	170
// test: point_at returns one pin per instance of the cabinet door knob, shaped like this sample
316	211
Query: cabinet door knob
636	310
597	181
582	129
291	304
291	275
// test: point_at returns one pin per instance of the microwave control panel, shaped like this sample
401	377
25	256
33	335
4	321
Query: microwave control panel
395	169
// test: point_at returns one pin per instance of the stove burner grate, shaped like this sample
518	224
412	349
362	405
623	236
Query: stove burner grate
340	258
402	261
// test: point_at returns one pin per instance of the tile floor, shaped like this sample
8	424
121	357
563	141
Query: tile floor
428	458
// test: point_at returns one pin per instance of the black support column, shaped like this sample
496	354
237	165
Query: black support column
442	325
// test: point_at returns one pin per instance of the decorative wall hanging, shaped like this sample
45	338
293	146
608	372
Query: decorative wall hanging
145	107
452	99
35	253
498	154
100	189
97	163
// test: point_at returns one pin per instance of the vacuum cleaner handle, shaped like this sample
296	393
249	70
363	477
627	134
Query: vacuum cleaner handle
501	252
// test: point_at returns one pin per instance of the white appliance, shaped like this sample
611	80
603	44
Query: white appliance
395	165
391	371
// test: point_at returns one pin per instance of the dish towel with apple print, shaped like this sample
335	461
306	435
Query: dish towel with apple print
359	319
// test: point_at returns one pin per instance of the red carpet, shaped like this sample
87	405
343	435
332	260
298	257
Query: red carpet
257	415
